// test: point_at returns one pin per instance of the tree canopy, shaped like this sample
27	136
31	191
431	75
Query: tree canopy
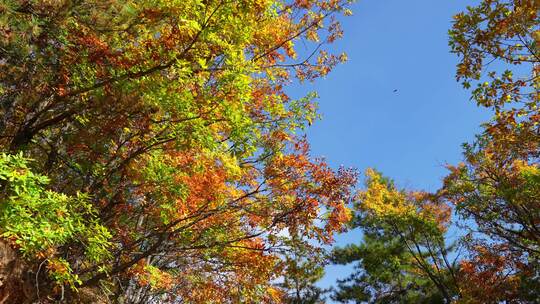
151	154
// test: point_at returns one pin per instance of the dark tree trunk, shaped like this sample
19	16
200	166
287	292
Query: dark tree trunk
15	283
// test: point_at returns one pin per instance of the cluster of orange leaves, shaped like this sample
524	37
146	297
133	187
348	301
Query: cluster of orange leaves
491	275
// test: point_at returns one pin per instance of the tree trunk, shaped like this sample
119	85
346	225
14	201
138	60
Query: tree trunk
15	284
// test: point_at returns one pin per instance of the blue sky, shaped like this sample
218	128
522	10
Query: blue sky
410	134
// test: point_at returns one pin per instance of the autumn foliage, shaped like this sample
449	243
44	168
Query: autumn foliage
150	152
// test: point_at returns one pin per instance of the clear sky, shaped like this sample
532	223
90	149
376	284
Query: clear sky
410	134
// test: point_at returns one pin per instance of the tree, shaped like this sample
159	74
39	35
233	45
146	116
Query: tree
159	156
304	266
497	186
501	168
403	257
